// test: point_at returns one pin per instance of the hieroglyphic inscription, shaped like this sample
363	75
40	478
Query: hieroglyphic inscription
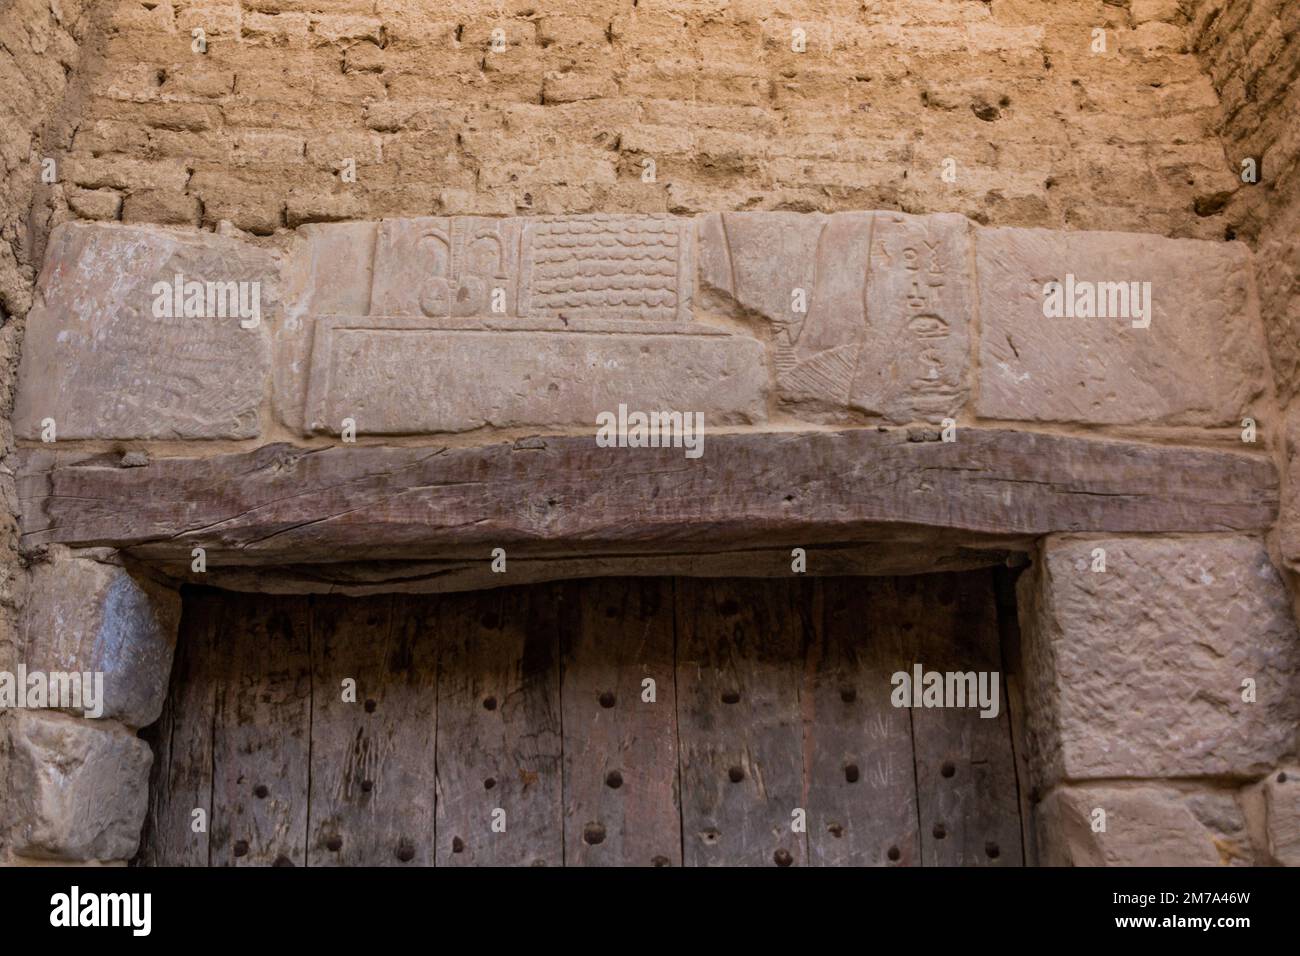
445	267
570	267
917	306
886	300
606	267
566	311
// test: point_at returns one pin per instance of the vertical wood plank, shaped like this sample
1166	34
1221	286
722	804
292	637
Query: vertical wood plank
1004	580
620	752
740	654
965	770
181	778
372	782
498	733
861	781
262	741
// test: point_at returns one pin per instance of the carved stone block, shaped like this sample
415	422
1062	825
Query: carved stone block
866	313
1197	361
395	375
1179	659
101	363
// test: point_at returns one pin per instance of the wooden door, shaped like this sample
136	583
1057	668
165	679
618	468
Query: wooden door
609	722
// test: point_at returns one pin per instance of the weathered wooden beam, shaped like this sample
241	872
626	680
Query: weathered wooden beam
283	504
930	554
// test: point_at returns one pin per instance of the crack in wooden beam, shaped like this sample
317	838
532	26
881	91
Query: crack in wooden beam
281	505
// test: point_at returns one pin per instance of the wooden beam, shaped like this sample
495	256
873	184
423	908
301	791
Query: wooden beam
282	503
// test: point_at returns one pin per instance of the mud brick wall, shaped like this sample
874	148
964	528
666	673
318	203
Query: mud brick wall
1043	131
1251	52
250	134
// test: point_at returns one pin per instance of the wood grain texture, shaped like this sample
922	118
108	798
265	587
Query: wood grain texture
965	769
499	728
261	759
858	747
771	696
372	783
281	503
620	750
924	553
181	777
739	647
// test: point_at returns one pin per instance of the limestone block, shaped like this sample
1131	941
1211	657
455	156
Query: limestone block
405	375
1278	259
575	267
447	324
78	789
1138	670
868	313
98	361
329	273
1144	826
1200	361
85	616
1282	815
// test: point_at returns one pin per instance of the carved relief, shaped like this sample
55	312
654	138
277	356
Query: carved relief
918	304
570	267
607	267
445	267
886	297
567	308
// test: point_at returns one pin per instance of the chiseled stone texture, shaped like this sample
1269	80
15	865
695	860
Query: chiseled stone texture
84	615
1289	519
448	324
426	378
78	789
1137	671
1145	826
97	361
884	328
1282	815
1200	362
452	323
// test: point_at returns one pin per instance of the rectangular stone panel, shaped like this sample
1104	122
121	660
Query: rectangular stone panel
1141	669
916	351
101	362
446	266
575	267
607	266
868	313
409	375
1198	362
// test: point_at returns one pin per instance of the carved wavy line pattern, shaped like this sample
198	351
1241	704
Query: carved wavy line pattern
606	262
